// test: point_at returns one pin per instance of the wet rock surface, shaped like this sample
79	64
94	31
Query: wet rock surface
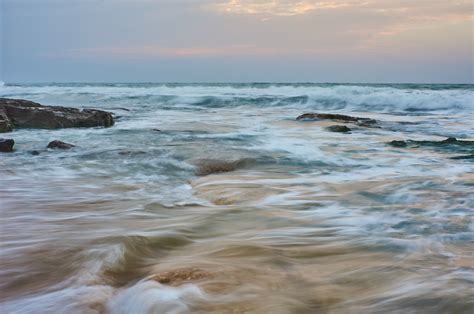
177	276
59	145
397	143
5	123
18	113
338	128
5	126
450	143
210	166
463	157
6	145
367	122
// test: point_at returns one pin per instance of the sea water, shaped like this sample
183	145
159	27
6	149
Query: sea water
319	222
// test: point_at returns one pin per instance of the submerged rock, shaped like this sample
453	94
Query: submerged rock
59	145
367	122
398	143
27	114
447	142
449	145
178	276
338	128
6	145
131	152
209	166
463	157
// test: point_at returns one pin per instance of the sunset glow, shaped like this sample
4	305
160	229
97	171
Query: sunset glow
316	35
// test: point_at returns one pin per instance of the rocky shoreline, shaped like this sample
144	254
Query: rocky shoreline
365	122
18	113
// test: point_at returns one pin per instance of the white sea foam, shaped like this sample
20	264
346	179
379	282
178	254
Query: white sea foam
129	183
317	97
151	297
68	300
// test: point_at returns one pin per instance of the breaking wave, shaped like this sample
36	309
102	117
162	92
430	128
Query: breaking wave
372	98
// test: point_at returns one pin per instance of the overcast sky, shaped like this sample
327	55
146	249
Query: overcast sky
237	40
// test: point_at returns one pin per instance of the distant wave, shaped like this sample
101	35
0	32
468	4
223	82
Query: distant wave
408	98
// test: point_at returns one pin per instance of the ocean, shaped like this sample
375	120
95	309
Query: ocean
312	221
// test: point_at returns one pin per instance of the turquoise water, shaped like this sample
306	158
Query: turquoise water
320	222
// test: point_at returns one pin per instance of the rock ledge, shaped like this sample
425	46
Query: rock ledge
18	113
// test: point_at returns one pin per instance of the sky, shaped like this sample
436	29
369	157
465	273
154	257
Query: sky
349	41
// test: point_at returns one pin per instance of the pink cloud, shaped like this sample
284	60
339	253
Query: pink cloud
152	51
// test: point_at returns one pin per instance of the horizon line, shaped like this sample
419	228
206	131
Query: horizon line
233	82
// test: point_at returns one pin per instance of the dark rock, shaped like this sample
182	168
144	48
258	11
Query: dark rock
449	145
451	141
34	152
367	122
338	128
6	145
28	114
131	152
5	126
5	123
209	166
18	103
398	143
463	157
59	145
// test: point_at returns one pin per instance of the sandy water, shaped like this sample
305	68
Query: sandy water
321	223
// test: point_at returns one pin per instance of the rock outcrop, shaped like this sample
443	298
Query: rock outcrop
338	128
17	113
398	143
450	141
181	275
367	122
59	145
5	124
450	145
6	145
209	166
463	157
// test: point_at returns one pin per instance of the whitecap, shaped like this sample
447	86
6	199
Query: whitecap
151	297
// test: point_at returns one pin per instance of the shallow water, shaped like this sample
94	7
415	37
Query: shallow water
321	222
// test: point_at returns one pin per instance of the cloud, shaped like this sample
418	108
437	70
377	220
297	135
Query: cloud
154	51
276	7
384	27
372	24
301	7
